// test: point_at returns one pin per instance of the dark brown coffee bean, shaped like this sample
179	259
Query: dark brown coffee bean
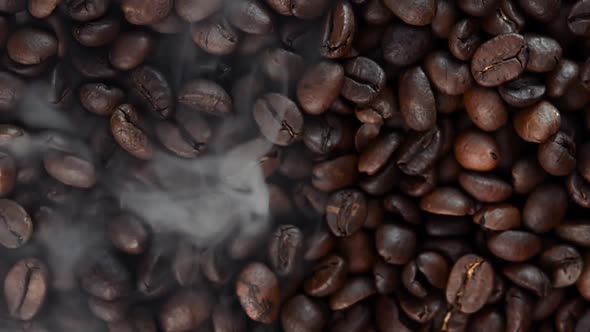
108	311
507	18
583	282
257	288
549	304
564	264
447	74
364	80
561	77
448	226
327	134
152	89
416	100
205	96
335	174
544	53
353	291
545	208
382	182
99	98
197	10
387	277
303	9
279	119
395	243
477	7
447	201
70	170
374	157
427	269
376	13
250	16
518	308
346	211
524	91
476	151
339	30
413	12
403	206
130	50
498	217
184	311
557	155
126	127
528	277
97	33
404	44
574	231
301	314
319	86
285	249
30	46
577	19
129	234
541	10
25	288
358	251
104	276
18	226
328	276
419	151
527	174
470	283
514	245
215	36
145	12
537	123
499	60
464	39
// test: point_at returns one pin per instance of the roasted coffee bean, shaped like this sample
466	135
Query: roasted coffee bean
485	108
184	311
85	10
429	266
329	275
476	151
327	134
25	288
577	19
518	309
498	217
524	91
151	88
563	263
129	234
464	39
499	60
374	157
476	7
30	46
403	206
364	80
448	75
339	30
279	119
17	224
187	138
250	16
537	123
404	44
574	231
557	155
12	89
353	291
99	98
544	52
12	6
387	277
358	251
545	208
205	96
470	283
346	211
285	249
528	277
416	99
70	170
562	77
104	276
415	13
106	310
126	127
541	10
419	152
257	288
130	50
154	273
514	245
486	188
335	174
145	12
98	32
319	86
303	9
302	314
507	18
447	201
395	243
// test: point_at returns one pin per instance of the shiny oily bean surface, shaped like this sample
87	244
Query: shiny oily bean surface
499	60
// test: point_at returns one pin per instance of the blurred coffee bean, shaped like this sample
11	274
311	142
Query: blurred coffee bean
257	289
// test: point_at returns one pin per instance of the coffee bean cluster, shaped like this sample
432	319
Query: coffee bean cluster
425	165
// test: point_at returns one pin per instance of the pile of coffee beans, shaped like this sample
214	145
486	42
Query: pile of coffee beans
294	165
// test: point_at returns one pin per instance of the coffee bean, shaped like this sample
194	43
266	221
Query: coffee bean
564	264
499	60
205	96
545	208
562	77
416	100
387	277
507	18
514	245
335	174
144	13
485	108
25	288
577	19
346	211
376	12
544	53
404	44
154	272
99	98
353	291
319	86
185	311
30	46
448	75
427	269
285	249
250	16
403	206
541	10
447	201
278	118
104	276
498	217
97	33
364	80
70	170
518	309
528	277
196	10
17	226
477	151
419	151
85	10
395	243
358	250
130	50
464	39
557	155
126	127
574	231
302	314
258	291
152	89
339	29
188	137
537	123
329	275
129	234
375	156
470	283
476	7
527	174
524	91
